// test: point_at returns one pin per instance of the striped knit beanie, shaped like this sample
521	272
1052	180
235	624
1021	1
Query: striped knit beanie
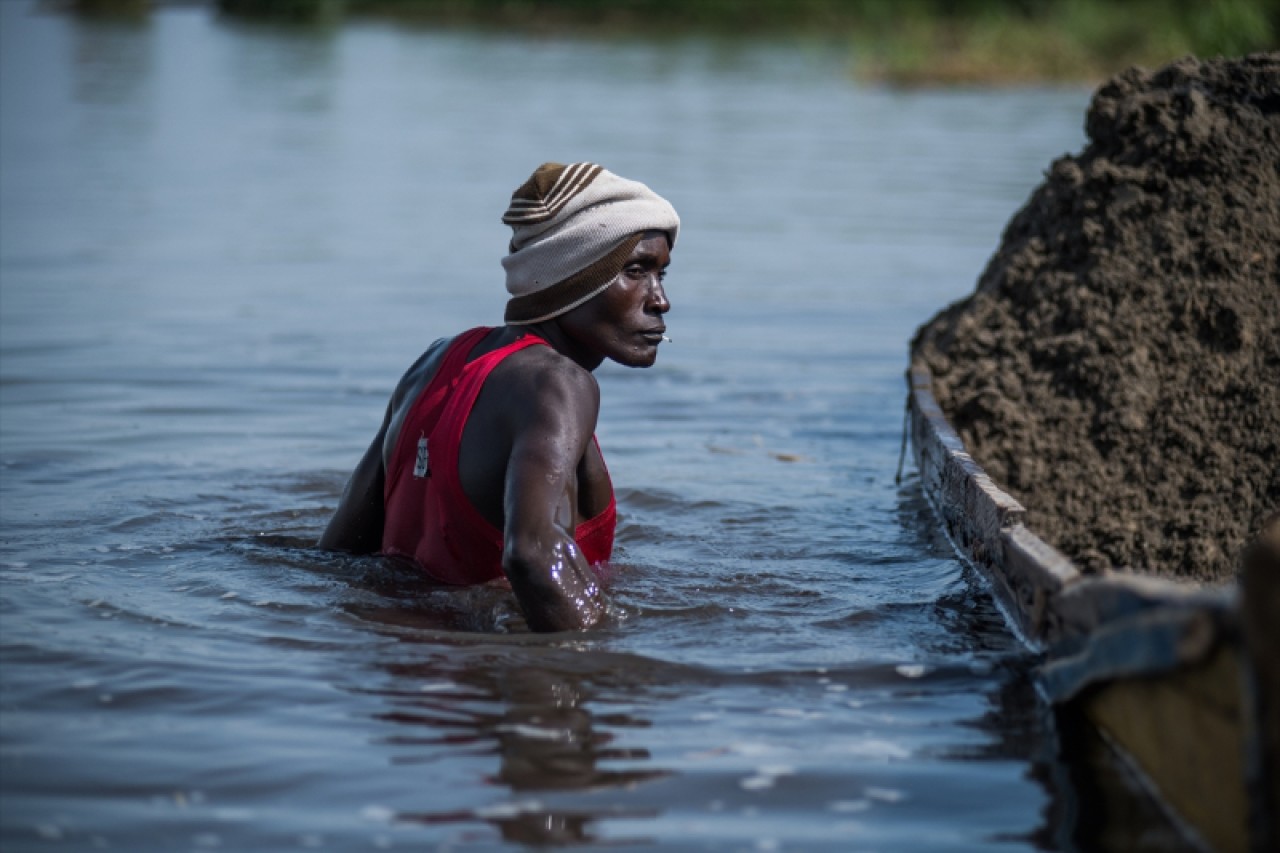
573	228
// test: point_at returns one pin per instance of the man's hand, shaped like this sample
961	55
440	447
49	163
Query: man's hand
561	594
556	588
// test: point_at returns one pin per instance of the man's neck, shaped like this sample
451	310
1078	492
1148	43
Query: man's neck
550	331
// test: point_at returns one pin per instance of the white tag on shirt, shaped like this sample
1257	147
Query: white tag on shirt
420	466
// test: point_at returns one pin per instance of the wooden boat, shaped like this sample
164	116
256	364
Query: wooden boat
1182	682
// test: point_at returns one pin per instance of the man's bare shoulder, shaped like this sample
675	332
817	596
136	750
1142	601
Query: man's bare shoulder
539	376
420	372
407	390
539	389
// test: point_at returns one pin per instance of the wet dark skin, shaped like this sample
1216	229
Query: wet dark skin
527	461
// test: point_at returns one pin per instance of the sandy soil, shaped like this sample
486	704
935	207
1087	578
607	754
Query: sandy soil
1117	368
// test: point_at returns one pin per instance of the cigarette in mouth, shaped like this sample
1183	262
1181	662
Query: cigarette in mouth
665	338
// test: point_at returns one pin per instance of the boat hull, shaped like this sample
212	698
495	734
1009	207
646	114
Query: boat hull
1161	668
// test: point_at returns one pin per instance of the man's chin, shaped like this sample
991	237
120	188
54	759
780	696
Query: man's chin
637	360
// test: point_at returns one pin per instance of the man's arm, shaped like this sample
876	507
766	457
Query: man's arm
556	588
356	525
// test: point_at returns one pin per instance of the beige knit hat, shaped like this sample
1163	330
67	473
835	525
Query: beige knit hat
573	227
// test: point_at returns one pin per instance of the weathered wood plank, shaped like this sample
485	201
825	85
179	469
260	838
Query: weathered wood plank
1038	574
1189	748
1260	594
977	515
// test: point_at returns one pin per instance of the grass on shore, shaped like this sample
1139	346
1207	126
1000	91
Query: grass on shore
912	42
1074	40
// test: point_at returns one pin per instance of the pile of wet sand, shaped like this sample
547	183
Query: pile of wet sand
1118	367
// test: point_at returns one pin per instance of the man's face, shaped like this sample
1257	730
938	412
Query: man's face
624	323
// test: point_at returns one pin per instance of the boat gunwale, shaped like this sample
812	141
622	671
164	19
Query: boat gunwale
1047	599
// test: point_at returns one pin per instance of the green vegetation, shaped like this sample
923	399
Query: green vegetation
310	12
123	9
1059	39
905	41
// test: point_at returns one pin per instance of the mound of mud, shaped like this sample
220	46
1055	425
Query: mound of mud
1117	368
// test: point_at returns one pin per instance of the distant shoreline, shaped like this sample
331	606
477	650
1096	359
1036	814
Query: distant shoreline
909	42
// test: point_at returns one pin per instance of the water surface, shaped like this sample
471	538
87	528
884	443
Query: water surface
219	247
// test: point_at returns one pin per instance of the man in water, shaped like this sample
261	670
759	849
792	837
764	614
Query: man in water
486	465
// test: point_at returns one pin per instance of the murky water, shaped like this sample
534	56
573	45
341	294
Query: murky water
222	244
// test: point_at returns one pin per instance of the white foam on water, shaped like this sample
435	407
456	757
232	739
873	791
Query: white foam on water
776	770
381	814
886	795
795	713
436	687
872	747
755	748
505	810
533	732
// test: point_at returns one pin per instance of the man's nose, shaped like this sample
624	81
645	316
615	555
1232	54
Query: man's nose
658	298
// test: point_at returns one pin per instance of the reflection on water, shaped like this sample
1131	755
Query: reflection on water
544	739
112	62
220	245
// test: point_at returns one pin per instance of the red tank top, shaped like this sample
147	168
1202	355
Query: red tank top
429	518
